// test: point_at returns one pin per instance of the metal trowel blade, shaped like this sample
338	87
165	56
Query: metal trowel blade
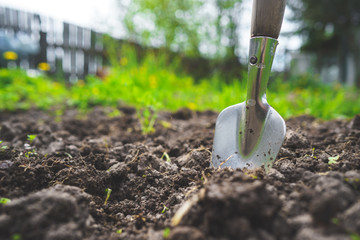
227	140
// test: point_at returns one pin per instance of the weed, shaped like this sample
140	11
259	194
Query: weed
166	232
31	138
147	119
28	154
312	153
354	236
333	160
107	192
119	231
114	113
151	85
335	221
165	124
16	236
164	209
4	201
3	147
166	156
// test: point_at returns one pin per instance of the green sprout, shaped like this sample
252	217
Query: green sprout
354	236
166	157
164	209
16	236
4	201
108	192
166	232
147	119
165	124
30	153
335	221
312	153
119	231
3	147
114	113
333	160
31	138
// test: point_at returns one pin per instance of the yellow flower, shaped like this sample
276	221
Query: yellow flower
95	91
43	66
153	81
123	61
192	106
9	55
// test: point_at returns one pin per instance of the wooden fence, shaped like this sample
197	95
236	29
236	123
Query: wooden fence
63	49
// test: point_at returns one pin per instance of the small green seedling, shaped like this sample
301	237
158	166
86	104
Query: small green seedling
4	201
119	231
3	147
166	157
165	124
335	221
114	113
108	192
164	209
354	236
31	138
147	119
312	154
166	232
333	160
16	236
30	153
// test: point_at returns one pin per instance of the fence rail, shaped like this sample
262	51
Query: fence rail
64	49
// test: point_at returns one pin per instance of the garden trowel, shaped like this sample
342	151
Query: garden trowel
250	134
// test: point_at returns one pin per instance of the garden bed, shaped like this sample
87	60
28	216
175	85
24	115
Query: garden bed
58	173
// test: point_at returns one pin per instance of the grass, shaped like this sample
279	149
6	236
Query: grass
21	91
4	201
154	84
108	193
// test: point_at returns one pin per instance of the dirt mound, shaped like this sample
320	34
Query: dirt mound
58	182
58	212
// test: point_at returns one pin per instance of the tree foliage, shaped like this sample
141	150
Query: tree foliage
330	26
194	27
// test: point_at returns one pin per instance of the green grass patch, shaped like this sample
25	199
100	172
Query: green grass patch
21	91
155	83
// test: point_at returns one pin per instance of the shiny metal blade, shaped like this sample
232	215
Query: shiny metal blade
227	150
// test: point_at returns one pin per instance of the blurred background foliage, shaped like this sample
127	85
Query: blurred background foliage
202	34
330	28
193	27
185	53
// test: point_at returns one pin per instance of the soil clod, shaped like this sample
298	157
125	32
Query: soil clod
58	183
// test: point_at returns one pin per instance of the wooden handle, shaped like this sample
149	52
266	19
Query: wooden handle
267	17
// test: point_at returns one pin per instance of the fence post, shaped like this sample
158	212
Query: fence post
81	48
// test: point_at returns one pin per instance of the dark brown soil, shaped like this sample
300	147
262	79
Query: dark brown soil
57	182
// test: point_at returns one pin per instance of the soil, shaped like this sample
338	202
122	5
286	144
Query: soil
57	182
